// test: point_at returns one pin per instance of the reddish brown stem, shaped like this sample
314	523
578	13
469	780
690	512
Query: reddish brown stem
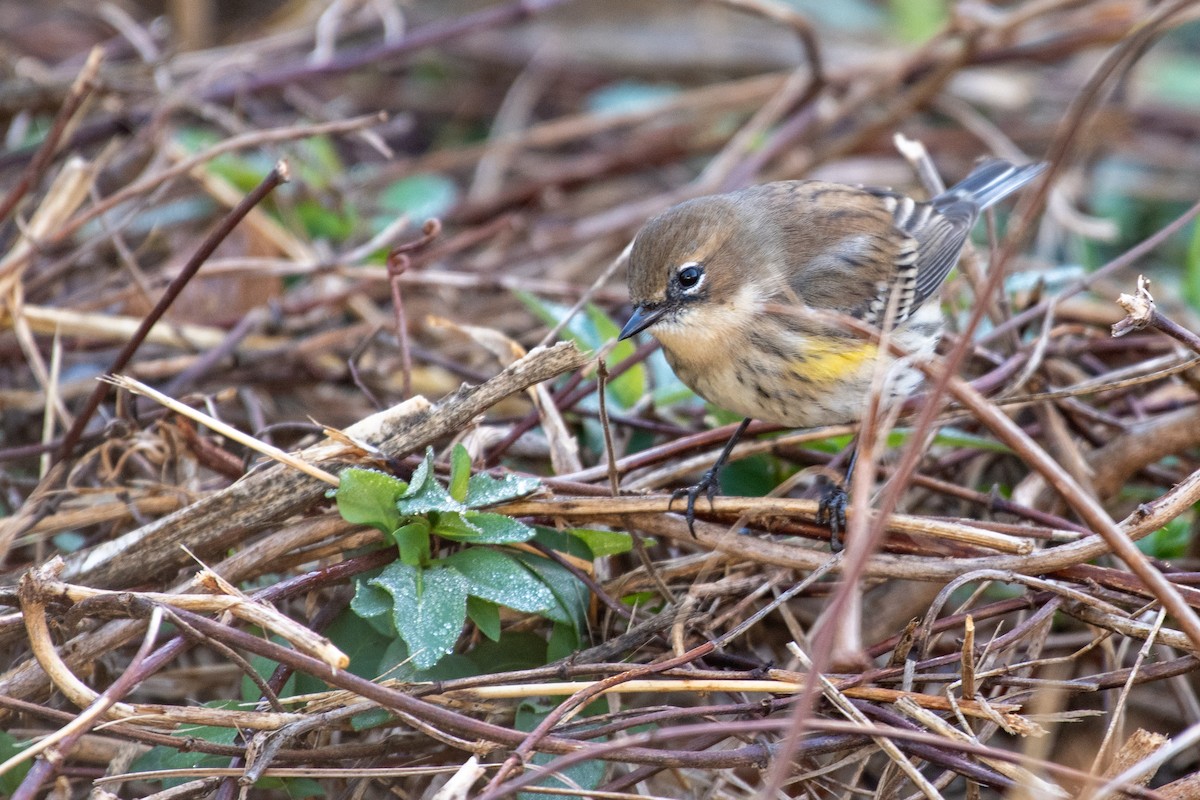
274	178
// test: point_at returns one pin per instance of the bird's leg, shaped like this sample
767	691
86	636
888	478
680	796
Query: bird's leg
831	510
708	485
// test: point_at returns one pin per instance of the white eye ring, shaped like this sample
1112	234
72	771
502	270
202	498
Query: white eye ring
695	272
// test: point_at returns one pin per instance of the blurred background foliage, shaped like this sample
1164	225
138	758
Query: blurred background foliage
541	136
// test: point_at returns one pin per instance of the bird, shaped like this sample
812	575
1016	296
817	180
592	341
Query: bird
748	293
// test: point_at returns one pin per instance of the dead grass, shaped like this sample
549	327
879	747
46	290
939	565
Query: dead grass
992	629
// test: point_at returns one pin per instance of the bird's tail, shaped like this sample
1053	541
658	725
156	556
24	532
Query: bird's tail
989	183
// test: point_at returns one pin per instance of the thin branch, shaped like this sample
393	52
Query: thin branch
274	178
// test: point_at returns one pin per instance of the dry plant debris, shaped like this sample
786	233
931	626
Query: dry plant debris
389	239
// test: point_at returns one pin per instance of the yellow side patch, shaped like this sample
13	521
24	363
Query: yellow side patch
823	364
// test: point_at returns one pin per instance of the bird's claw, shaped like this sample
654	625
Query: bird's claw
707	486
831	511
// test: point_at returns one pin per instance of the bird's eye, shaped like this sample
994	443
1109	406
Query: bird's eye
689	277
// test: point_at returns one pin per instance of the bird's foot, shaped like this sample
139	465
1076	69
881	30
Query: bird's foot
831	511
707	486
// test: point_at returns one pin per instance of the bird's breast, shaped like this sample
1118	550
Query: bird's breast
771	371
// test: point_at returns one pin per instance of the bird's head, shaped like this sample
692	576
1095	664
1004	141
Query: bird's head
688	263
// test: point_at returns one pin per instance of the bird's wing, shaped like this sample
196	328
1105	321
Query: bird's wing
938	233
873	253
941	226
838	246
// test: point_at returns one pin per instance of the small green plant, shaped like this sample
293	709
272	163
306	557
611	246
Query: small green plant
585	775
9	747
185	757
427	599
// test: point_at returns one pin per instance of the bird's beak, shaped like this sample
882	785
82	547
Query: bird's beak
643	317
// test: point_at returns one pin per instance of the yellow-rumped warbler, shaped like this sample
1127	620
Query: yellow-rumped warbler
724	283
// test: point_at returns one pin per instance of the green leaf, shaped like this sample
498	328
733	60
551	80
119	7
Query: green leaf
1174	79
546	312
603	543
628	388
918	20
584	775
571	594
370	719
359	638
413	541
668	389
460	472
564	642
425	494
293	787
370	600
245	170
1170	541
396	662
639	599
484	490
479	527
1191	269
514	650
500	578
450	668
592	330
69	541
485	615
368	497
563	542
163	757
264	667
605	330
498	528
420	196
429	608
454	526
579	328
421	474
624	97
751	477
432	497
9	747
318	161
952	437
322	222
834	444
